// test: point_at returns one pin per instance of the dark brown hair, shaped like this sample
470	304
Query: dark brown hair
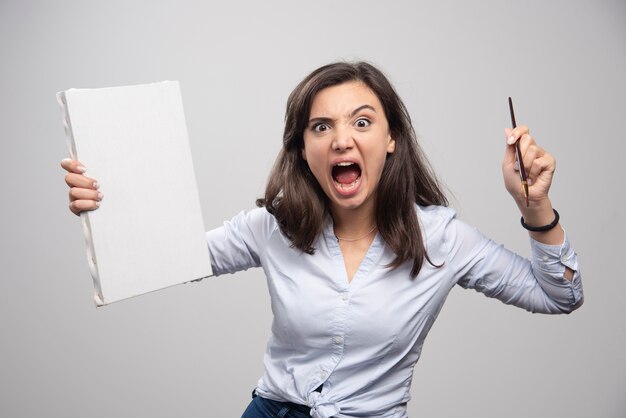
299	204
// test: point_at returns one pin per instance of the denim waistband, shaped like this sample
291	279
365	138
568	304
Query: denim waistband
293	406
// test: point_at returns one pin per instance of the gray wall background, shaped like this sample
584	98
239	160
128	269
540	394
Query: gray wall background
196	350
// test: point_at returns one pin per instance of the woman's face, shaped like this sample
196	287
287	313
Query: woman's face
346	142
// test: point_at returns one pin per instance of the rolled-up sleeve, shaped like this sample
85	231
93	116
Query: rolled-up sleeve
537	285
549	262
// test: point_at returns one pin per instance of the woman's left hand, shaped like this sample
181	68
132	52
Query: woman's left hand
539	165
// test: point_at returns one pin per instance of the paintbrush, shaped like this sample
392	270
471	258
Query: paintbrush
518	153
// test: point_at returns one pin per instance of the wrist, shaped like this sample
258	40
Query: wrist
543	228
538	213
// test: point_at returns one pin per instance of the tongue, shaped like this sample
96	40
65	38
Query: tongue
346	174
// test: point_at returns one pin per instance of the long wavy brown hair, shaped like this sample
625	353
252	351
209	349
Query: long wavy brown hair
299	204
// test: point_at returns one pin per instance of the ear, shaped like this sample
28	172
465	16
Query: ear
391	144
303	153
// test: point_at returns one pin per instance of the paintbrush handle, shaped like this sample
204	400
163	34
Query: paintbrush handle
518	153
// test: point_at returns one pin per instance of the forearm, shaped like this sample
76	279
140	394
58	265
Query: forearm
539	214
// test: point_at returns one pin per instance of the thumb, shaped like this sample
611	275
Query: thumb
509	151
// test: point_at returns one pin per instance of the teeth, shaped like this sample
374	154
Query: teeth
349	186
344	164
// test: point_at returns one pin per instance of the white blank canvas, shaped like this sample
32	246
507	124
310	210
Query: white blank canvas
148	233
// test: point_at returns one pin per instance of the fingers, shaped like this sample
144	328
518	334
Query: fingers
84	198
545	164
79	180
509	151
522	134
528	147
514	134
72	166
536	159
78	206
538	164
75	177
530	152
526	142
84	194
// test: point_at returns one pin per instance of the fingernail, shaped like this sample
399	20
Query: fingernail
66	160
100	195
95	185
97	204
81	168
510	140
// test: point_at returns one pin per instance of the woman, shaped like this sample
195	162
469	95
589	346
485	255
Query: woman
360	251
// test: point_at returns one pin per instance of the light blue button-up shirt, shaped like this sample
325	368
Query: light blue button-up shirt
361	339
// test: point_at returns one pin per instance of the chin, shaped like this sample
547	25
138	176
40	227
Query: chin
350	203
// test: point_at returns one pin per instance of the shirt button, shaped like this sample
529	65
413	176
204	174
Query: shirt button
564	259
545	258
322	375
337	339
345	297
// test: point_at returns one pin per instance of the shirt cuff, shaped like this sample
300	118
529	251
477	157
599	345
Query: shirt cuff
551	260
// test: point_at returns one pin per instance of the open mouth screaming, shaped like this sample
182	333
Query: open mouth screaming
346	175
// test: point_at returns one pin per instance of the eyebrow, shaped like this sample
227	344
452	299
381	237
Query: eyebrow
354	112
365	106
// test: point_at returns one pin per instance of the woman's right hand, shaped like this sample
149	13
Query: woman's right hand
84	194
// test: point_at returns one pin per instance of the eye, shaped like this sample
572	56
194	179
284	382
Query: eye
320	127
362	123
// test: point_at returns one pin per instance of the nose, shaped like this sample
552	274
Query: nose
343	139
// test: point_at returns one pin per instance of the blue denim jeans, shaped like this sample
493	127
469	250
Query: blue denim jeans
267	408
